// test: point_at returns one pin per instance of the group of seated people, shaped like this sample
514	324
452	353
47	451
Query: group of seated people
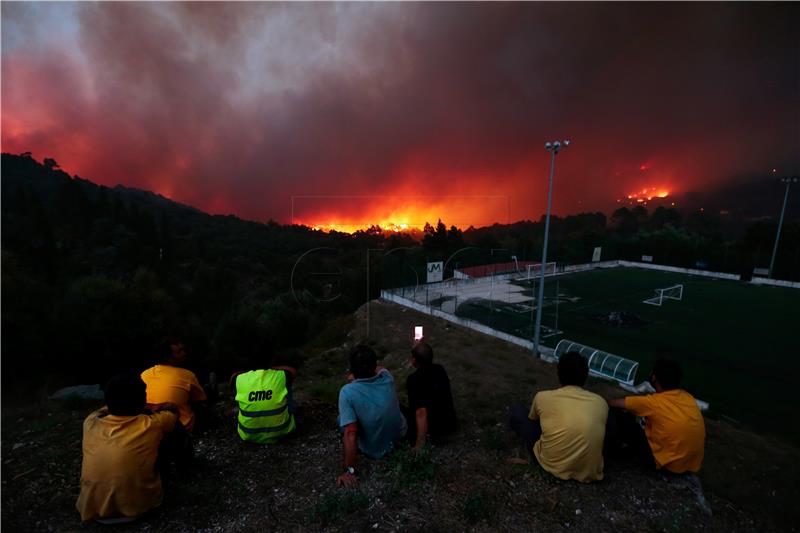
569	430
148	421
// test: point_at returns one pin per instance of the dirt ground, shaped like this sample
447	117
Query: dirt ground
480	481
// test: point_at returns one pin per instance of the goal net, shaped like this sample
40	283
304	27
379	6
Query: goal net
670	293
534	270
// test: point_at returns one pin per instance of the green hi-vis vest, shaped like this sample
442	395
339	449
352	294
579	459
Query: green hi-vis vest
263	406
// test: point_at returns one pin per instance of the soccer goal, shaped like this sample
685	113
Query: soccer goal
533	270
670	293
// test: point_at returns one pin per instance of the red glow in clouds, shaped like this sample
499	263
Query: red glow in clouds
400	113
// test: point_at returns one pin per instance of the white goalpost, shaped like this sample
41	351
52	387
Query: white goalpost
533	270
670	293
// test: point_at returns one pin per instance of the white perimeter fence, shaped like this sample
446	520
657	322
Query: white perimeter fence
776	282
461	321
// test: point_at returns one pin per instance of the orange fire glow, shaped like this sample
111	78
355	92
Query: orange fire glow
646	194
400	213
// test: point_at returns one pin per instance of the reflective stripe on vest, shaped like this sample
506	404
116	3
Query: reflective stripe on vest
263	405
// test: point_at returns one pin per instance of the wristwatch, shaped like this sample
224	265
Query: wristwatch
350	470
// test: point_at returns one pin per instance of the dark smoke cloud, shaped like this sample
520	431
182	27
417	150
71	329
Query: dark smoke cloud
237	107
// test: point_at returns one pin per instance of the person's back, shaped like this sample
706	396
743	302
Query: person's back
674	432
429	387
168	383
674	427
373	403
565	428
573	424
264	405
119	477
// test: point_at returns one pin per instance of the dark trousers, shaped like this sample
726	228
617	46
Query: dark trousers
411	422
625	439
437	435
529	431
175	447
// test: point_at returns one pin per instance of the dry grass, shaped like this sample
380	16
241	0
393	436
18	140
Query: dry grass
480	481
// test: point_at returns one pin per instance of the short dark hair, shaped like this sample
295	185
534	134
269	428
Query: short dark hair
126	395
668	373
423	353
163	349
572	369
363	361
263	351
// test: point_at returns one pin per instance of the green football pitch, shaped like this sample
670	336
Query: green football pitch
737	342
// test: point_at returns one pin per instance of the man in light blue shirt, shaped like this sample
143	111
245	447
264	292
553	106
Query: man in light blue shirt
369	412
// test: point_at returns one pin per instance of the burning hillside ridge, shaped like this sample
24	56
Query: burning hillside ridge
644	195
394	214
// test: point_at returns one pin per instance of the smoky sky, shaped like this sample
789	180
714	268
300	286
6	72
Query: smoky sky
377	107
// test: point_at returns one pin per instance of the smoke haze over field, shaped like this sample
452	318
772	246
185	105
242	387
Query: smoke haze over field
239	107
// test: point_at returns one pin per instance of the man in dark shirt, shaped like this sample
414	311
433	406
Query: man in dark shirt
431	410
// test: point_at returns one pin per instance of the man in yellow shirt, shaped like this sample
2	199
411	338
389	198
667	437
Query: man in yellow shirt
565	427
121	446
674	431
168	382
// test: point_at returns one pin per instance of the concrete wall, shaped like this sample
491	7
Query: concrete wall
465	322
776	282
692	271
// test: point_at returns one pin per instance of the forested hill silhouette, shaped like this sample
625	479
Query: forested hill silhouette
93	276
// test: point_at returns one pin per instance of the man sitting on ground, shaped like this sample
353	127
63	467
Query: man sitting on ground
369	412
169	382
565	427
674	431
430	401
122	444
266	408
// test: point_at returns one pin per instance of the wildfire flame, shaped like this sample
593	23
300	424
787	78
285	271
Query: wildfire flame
401	213
646	194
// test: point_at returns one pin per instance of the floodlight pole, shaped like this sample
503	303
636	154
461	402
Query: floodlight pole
787	181
553	148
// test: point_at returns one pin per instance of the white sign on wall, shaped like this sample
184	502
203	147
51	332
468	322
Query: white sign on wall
647	258
596	254
435	271
761	272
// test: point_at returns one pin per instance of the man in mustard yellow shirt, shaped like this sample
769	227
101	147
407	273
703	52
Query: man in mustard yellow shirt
674	430
565	427
122	448
169	382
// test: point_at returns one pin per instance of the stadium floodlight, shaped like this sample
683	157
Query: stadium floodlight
552	147
788	181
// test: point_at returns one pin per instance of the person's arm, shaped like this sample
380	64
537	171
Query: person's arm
639	405
166	419
232	382
422	427
534	412
196	392
616	402
350	443
165	406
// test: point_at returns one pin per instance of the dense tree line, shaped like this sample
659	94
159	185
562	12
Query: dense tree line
93	276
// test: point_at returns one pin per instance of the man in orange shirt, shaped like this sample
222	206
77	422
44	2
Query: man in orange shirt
674	431
169	382
123	447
